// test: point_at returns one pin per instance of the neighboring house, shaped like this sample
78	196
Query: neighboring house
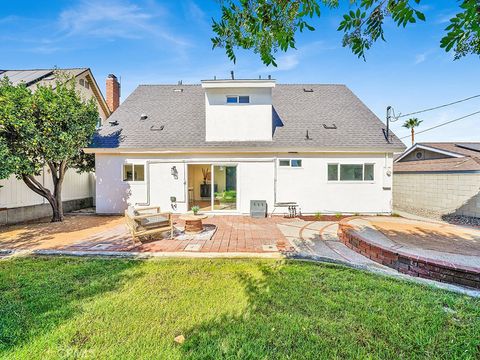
223	143
436	179
17	201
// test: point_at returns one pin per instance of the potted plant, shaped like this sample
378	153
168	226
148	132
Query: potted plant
195	209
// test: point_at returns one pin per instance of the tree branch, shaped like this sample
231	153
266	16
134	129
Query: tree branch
35	186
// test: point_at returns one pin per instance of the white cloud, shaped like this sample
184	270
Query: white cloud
287	62
194	12
117	19
445	18
420	58
8	19
293	58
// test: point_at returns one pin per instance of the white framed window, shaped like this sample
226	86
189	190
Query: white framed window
244	99
133	172
238	99
294	163
231	99
350	172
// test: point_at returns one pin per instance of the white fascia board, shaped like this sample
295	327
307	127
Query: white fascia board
236	151
429	148
218	84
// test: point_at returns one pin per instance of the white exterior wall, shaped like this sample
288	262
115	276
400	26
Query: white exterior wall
87	93
308	186
238	122
14	193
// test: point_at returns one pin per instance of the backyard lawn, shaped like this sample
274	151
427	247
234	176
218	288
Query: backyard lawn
126	309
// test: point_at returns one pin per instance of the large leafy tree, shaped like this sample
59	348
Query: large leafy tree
47	128
266	26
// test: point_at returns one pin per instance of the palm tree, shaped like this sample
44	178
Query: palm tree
412	123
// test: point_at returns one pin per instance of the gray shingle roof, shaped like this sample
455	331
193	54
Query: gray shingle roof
294	112
31	77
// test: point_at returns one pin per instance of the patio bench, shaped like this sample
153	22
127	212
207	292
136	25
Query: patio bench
145	222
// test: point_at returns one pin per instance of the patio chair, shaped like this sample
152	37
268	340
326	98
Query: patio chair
145	222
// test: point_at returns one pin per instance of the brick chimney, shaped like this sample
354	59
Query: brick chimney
113	92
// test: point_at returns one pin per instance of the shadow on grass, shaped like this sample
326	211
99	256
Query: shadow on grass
334	312
39	294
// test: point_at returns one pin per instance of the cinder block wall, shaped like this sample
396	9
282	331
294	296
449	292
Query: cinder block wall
33	212
437	194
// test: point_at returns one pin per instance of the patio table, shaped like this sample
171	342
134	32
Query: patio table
193	223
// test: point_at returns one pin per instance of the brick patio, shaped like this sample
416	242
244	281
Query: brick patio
109	233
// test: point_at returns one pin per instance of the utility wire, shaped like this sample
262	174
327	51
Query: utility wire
438	107
443	124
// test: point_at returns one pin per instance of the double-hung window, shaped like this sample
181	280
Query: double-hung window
133	172
351	172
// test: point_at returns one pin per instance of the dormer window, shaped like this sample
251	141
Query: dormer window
238	99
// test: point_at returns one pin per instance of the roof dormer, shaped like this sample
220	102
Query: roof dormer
238	110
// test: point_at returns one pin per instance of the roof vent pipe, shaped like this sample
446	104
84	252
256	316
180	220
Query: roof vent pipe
269	77
232	74
143	117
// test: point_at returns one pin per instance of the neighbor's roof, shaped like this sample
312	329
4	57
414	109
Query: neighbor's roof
460	148
463	156
182	115
32	77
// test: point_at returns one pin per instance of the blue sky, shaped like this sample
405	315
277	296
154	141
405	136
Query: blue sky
149	41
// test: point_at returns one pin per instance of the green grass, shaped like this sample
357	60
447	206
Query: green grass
119	309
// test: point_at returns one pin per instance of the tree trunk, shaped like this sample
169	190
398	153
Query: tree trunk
413	136
58	209
55	199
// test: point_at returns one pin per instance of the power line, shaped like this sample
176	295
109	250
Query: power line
443	124
438	107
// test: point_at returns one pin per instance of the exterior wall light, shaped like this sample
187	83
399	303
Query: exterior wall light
174	172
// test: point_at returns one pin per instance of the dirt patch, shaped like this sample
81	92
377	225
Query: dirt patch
323	217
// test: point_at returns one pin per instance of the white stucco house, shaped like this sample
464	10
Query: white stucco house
222	143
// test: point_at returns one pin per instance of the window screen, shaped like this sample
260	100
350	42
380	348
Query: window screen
139	173
351	172
127	172
369	172
244	99
284	162
296	163
133	172
332	172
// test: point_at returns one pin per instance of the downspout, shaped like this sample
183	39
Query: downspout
274	181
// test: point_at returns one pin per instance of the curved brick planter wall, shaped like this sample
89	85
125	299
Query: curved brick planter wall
408	263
